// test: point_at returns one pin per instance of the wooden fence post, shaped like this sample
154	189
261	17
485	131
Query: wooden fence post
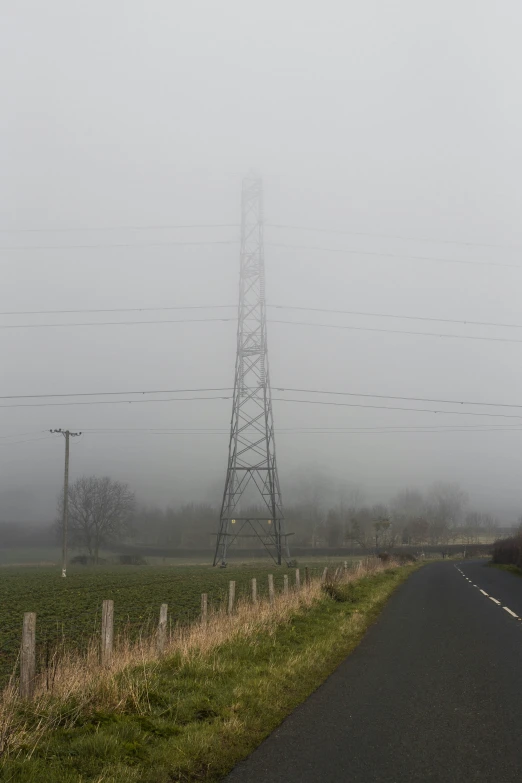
271	588
162	628
231	596
346	565
254	591
28	656
324	577
107	636
285	584
307	576
297	579
204	610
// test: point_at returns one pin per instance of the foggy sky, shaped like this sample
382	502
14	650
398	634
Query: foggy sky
396	118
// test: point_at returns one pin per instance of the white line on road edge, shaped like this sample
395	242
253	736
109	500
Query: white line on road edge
474	585
510	612
483	592
495	600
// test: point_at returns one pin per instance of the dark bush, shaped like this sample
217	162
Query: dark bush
406	557
81	560
508	551
134	560
87	560
384	557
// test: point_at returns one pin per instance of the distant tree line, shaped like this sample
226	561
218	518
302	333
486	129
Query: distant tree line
440	516
104	513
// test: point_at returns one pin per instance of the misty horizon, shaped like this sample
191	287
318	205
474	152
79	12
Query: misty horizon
126	137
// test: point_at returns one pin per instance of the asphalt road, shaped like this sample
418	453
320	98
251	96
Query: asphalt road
432	693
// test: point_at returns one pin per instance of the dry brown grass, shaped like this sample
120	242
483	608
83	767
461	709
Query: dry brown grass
74	683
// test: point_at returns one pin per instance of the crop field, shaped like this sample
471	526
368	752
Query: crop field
70	609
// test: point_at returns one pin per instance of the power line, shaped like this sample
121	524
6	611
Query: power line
271	321
110	402
110	393
105	246
398	331
397	408
31	440
322	431
465	322
20	434
116	323
392	397
378	235
118	310
80	229
345	251
221	430
375	431
229	389
397	256
322	230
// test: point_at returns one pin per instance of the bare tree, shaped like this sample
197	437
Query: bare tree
446	502
100	511
407	506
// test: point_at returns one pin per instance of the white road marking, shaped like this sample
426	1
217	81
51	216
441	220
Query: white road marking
491	597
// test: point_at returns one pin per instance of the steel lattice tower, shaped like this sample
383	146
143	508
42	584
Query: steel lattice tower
252	462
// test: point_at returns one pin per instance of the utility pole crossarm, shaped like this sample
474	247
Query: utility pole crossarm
65	518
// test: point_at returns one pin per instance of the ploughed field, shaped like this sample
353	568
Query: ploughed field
68	610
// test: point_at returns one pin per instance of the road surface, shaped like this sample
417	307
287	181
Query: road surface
432	693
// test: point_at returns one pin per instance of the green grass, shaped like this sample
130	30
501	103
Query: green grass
70	608
512	569
199	715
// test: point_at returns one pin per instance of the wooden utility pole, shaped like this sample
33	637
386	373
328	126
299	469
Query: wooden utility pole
107	633
28	656
65	518
231	596
162	628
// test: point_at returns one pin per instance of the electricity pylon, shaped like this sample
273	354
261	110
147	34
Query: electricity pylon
252	466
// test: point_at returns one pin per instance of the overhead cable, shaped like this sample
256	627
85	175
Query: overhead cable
116	323
111	393
395	397
105	246
110	402
397	408
119	310
380	235
396	256
397	331
148	227
465	322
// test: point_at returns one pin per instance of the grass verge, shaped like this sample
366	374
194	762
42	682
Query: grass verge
206	705
512	569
